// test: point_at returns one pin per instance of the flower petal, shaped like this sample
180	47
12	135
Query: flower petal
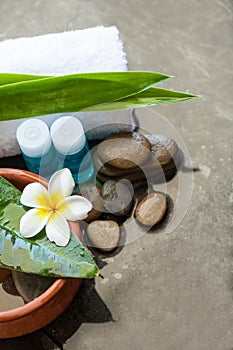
35	195
61	185
74	208
33	221
57	229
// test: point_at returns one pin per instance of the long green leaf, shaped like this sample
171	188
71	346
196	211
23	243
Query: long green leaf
149	97
37	255
70	93
11	78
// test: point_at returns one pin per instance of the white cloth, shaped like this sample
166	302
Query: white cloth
86	50
95	49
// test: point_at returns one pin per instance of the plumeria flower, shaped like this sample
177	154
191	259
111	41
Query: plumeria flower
52	208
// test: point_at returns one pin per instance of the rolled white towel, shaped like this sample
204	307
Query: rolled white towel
97	49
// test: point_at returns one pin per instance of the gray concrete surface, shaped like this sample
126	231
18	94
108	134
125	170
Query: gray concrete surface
165	292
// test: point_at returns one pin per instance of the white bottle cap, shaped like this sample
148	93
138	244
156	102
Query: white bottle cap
68	135
34	138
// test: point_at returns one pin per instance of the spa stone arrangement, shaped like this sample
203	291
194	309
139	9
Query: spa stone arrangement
125	163
118	178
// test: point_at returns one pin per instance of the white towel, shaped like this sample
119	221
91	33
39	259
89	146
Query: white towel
97	49
89	50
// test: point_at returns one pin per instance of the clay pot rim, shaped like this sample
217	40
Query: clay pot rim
57	285
34	304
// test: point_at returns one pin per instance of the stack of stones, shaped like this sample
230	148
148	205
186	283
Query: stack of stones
121	162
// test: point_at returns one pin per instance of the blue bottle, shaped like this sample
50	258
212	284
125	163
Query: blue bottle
36	146
72	150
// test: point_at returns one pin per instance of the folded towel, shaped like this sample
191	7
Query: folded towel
95	49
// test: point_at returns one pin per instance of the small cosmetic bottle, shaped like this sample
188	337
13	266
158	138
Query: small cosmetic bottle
72	149
36	146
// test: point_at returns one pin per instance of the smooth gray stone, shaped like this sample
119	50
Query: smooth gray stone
30	286
117	196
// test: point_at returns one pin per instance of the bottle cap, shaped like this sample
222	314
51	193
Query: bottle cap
34	138
68	135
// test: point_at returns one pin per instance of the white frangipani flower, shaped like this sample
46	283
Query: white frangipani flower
52	208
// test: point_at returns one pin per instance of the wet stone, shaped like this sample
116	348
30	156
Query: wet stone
151	209
159	166
124	150
163	148
93	193
103	235
30	286
117	196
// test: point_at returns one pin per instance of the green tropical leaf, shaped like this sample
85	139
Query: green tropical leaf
11	78
149	97
69	93
37	255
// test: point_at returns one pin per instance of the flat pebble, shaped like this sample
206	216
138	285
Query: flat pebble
117	196
151	209
104	235
124	150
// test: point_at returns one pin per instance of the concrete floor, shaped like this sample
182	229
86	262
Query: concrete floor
165	292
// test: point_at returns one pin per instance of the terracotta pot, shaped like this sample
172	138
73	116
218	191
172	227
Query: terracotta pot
44	309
